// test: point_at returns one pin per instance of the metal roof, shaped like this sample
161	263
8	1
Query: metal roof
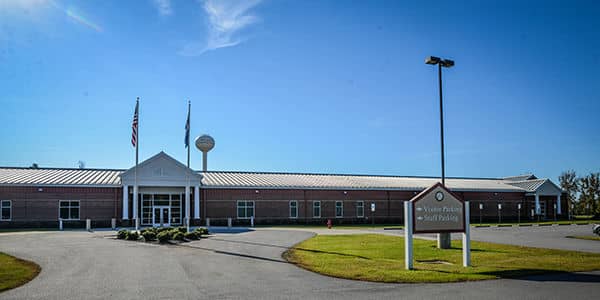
520	177
216	179
256	180
531	185
56	176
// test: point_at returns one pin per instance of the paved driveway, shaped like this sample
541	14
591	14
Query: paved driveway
81	265
553	237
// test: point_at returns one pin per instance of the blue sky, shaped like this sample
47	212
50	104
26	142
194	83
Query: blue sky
304	86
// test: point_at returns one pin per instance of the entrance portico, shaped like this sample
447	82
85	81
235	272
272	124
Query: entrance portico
159	191
547	189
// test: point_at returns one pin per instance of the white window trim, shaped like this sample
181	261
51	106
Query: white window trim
363	209
9	209
78	211
336	203
313	210
171	206
246	207
290	206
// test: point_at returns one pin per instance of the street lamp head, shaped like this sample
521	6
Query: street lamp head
447	63
432	60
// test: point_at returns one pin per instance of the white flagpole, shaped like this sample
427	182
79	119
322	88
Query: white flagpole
135	187
187	189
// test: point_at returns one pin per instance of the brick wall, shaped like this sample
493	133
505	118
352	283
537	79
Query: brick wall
271	205
40	204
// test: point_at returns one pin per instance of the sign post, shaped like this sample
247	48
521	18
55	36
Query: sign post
373	213
480	209
519	212
436	210
466	237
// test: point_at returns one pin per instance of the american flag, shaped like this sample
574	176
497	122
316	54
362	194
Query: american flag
187	129
134	125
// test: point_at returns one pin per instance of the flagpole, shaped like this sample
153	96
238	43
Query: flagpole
137	143
187	195
188	147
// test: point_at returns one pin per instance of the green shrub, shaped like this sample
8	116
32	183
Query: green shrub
149	235
182	229
164	236
201	231
122	234
191	235
133	236
149	229
163	229
178	236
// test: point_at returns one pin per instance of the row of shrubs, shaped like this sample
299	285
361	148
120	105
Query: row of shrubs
162	234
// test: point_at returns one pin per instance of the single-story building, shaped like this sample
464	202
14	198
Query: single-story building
168	192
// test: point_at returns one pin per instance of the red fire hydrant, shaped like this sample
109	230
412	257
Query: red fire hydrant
329	224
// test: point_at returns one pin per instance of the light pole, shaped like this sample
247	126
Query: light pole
499	213
443	238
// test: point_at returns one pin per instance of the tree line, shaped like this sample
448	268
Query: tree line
583	192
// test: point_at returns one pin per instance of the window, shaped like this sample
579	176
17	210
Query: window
293	209
317	209
146	209
339	209
151	201
360	209
69	210
245	209
6	210
176	208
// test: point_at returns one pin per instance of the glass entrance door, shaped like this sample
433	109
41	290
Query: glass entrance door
161	216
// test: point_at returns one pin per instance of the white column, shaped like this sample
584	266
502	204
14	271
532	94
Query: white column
135	202
558	210
466	237
538	210
125	203
187	202
197	202
408	232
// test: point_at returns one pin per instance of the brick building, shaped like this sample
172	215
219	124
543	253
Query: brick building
168	192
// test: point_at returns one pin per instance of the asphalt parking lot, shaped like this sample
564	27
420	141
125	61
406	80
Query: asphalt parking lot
243	265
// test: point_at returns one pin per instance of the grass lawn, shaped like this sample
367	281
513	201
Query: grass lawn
583	217
585	237
15	272
374	257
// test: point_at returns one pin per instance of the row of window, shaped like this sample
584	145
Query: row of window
67	210
245	209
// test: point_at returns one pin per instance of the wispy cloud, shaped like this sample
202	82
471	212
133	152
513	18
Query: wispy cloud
163	7
226	19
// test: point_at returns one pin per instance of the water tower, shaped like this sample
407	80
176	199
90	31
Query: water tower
205	143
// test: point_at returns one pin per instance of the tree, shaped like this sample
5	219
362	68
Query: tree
568	182
81	164
589	197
